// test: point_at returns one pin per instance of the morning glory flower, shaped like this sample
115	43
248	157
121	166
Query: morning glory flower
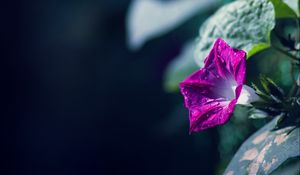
212	92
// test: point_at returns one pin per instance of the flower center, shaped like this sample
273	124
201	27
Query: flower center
227	89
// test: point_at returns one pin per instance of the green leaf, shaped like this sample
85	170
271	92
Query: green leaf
257	48
265	150
260	93
272	88
264	83
244	24
182	66
282	10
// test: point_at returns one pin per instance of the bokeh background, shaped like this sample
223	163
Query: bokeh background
84	103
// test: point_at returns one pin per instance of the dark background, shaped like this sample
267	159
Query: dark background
80	102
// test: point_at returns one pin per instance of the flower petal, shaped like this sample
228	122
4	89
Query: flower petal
227	61
210	115
212	92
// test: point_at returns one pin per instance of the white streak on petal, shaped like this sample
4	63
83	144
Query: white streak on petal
247	96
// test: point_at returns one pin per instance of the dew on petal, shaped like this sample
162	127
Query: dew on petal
195	111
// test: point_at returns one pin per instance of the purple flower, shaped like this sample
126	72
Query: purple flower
212	92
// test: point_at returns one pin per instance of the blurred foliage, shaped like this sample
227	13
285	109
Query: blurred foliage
180	67
143	24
